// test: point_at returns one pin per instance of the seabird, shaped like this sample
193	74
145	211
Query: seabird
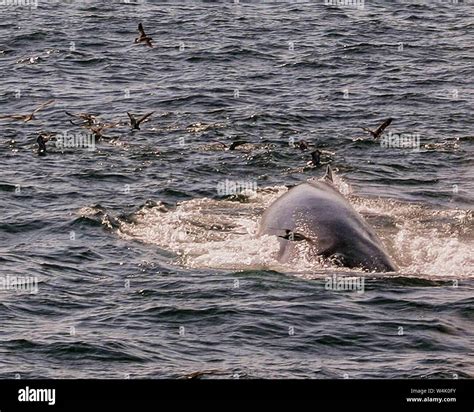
303	145
42	139
135	123
41	145
143	37
27	117
379	131
316	157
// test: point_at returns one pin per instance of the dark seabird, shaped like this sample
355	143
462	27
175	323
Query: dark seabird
135	123
303	145
27	117
143	37
42	139
316	157
379	131
41	145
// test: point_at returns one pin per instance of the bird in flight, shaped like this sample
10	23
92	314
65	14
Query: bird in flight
27	117
379	131
143	36
135	123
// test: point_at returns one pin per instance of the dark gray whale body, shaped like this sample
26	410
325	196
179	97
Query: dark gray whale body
317	213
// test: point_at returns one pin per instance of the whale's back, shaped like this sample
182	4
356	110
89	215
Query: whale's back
332	227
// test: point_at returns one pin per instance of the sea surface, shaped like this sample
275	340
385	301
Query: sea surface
144	246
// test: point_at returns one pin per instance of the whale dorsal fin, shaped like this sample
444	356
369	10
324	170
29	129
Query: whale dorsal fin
328	175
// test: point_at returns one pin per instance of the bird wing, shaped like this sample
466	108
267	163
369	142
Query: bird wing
41	106
14	116
141	30
144	117
382	127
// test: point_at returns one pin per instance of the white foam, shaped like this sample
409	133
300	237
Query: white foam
221	234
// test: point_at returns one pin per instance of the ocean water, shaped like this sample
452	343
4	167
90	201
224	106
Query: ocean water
147	267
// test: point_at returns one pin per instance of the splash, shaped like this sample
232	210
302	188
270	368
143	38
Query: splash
221	234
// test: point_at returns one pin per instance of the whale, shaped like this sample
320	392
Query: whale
316	213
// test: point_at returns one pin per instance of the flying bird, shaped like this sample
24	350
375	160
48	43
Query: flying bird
379	131
27	117
143	36
135	123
